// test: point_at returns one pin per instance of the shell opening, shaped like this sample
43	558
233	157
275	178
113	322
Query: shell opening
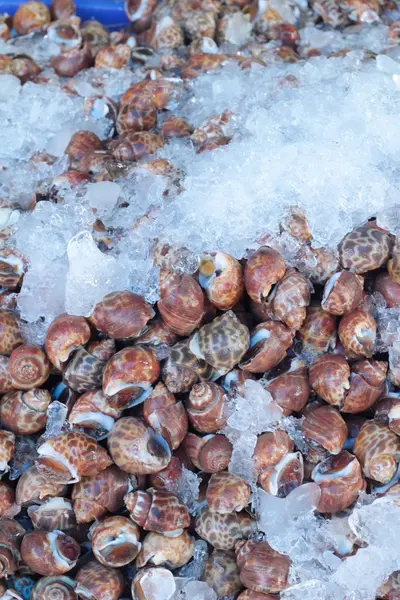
94	419
60	558
47	451
318	476
330	284
262	334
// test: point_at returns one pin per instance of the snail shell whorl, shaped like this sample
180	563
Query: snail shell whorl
57	587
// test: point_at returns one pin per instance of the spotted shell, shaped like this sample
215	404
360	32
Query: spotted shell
262	569
182	302
340	480
54	513
222	531
136	145
5	377
12	268
291	298
222	573
7	448
326	264
176	127
92	411
330	378
159	511
227	492
33	487
113	57
10	335
84	372
365	248
160	550
65	334
29	367
25	412
378	450
343	292
357	333
323	425
206	407
393	265
31	16
137	110
220	275
367	384
269	342
90	582
8	506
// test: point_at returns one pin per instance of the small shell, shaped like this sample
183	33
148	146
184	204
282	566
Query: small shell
291	390
122	315
222	574
393	265
357	333
340	480
223	531
211	453
165	34
81	143
318	331
113	57
157	335
31	16
326	264
10	335
323	425
176	127
115	541
160	550
12	268
365	248
291	298
263	270
136	145
70	456
227	492
84	372
92	411
70	62
284	477
5	377
166	416
154	583
8	507
168	477
58	587
49	553
55	513
94	496
182	302
95	34
29	367
296	222
11	533
262	569
32	487
222	343
137	110
378	450
270	448
220	275
159	511
206	407
7	448
367	384
343	292
65	334
136	448
330	378
25	412
269	342
390	290
139	12
90	581
61	9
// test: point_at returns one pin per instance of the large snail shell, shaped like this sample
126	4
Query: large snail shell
284	477
367	384
94	496
263	269
262	569
155	583
211	453
7	448
182	356
325	426
65	334
291	298
343	292
166	416
115	541
222	574
136	448
56	587
291	390
268	344
84	372
270	448
90	582
227	492
70	62
136	145
330	378
222	343
390	290
357	333
159	511
122	315
160	550
92	411
220	275
25	412
33	487
8	507
11	533
340	480
70	456
54	513
223	531
318	331
5	377
29	367
378	450
206	407
130	372
49	553
177	378
365	248
182	302
10	335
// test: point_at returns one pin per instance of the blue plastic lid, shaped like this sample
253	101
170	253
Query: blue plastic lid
109	12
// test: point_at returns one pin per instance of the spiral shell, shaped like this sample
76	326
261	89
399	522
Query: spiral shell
160	550
159	511
92	411
291	298
263	270
10	335
330	378
183	368
70	456
343	292
262	569
318	331
291	390
390	290
378	450
166	416
222	573
57	587
65	334
268	344
25	412
115	541
29	367
70	62
12	268
365	248
206	407
81	143
33	487
222	531
49	553
227	492
340	480
357	333
210	453
94	496
367	384
7	448
220	275
90	582
137	110
323	425
31	16
54	513
11	533
136	448
182	302
8	507
122	315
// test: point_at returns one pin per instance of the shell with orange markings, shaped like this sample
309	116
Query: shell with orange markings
223	531
65	334
227	492
12	268
159	511
291	297
49	553
326	264
357	333
164	34
31	16
330	378
92	412
33	487
122	315
136	145
182	302
206	407
90	582
291	390
263	270
8	506
10	335
25	413
340	480
7	448
166	416
367	384
324	426
210	453
29	367
296	224
115	541
378	450
160	550
85	370
318	332
269	342
137	110
343	292
113	57
220	275
365	248
390	290
262	569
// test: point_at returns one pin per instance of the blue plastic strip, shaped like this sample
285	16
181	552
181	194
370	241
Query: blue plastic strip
109	12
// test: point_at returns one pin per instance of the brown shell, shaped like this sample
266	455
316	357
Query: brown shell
393	265
357	333
94	496
61	9
211	453
84	371
158	510
12	268
136	145
291	298
227	492
139	12
263	270
206	407
365	248
31	16
115	541
330	378
5	377
268	344
160	550
158	334
318	331
323	425
166	416
284	477
25	412
49	553
122	315
221	276
343	292
33	487
81	143
327	263
222	574
92	411
270	448
367	384
59	587
175	127
262	569
29	367
54	513
7	448
113	57
65	334
137	110
11	533
223	531
250	595
166	478
340	480
90	582
290	390
182	302
8	506
136	448
10	335
378	450
70	62
390	290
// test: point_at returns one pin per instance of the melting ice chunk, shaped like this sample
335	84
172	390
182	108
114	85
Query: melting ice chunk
103	196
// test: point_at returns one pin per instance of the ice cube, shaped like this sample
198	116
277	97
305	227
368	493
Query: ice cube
103	196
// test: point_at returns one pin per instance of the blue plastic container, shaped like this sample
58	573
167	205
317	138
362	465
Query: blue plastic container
109	12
